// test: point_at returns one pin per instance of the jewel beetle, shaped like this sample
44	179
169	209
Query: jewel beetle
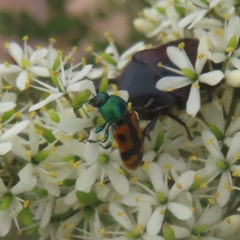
141	74
127	132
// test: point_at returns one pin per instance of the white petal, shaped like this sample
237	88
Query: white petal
3	188
134	199
146	236
234	148
88	178
16	52
81	74
10	69
185	181
17	128
188	19
122	218
179	58
47	213
39	71
73	124
193	103
71	198
38	55
49	99
6	106
166	83
200	15
180	211
211	144
233	78
211	78
118	180
144	213
5	222
155	222
180	232
235	62
21	80
156	177
136	47
5	148
217	57
212	216
224	196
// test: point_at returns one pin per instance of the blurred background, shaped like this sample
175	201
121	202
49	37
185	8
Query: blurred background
79	23
71	22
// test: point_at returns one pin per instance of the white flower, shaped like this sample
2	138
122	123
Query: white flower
189	75
27	61
162	197
218	164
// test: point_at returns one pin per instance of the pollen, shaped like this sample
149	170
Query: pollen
101	138
53	148
168	167
237	155
39	47
210	141
196	85
170	89
134	179
71	226
84	61
52	40
29	76
229	49
18	115
195	177
176	34
59	183
117	198
219	32
200	56
192	158
101	184
203	185
101	231
40	132
138	229
103	209
47	166
26	203
59	53
8	87
114	88
137	199
228	220
20	232
89	49
6	64
120	171
181	45
162	212
179	186
29	153
76	165
6	45
226	16
235	173
81	137
120	214
216	195
90	108
106	34
97	59
145	166
212	201
25	38
27	84
63	225
226	185
53	174
114	144
192	209
159	64
129	107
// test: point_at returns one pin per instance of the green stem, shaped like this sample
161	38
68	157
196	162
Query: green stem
74	109
233	106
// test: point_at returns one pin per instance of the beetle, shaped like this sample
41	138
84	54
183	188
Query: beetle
141	74
127	132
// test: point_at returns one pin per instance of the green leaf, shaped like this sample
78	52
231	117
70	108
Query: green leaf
47	134
6	201
159	141
40	156
168	232
80	98
104	85
25	216
216	131
107	58
54	116
89	199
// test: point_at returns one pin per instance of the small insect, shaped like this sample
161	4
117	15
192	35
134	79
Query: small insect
140	76
127	132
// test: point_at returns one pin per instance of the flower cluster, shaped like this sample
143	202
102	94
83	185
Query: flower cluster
63	174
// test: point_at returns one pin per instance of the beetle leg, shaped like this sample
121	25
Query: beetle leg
180	121
150	126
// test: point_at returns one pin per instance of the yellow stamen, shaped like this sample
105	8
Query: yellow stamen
169	89
6	45
162	212
181	45
196	85
52	40
89	48
59	183
200	56
40	132
204	185
6	64
134	179
17	115
228	220
212	201
63	225
20	232
229	49
145	166
53	174
59	53
188	144
192	209
26	203
29	153
137	199
179	186
47	166
120	214
159	64
117	198
192	158
101	184
168	167
210	141
27	84
216	195
195	177
8	87
120	171
25	38
101	231
74	49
